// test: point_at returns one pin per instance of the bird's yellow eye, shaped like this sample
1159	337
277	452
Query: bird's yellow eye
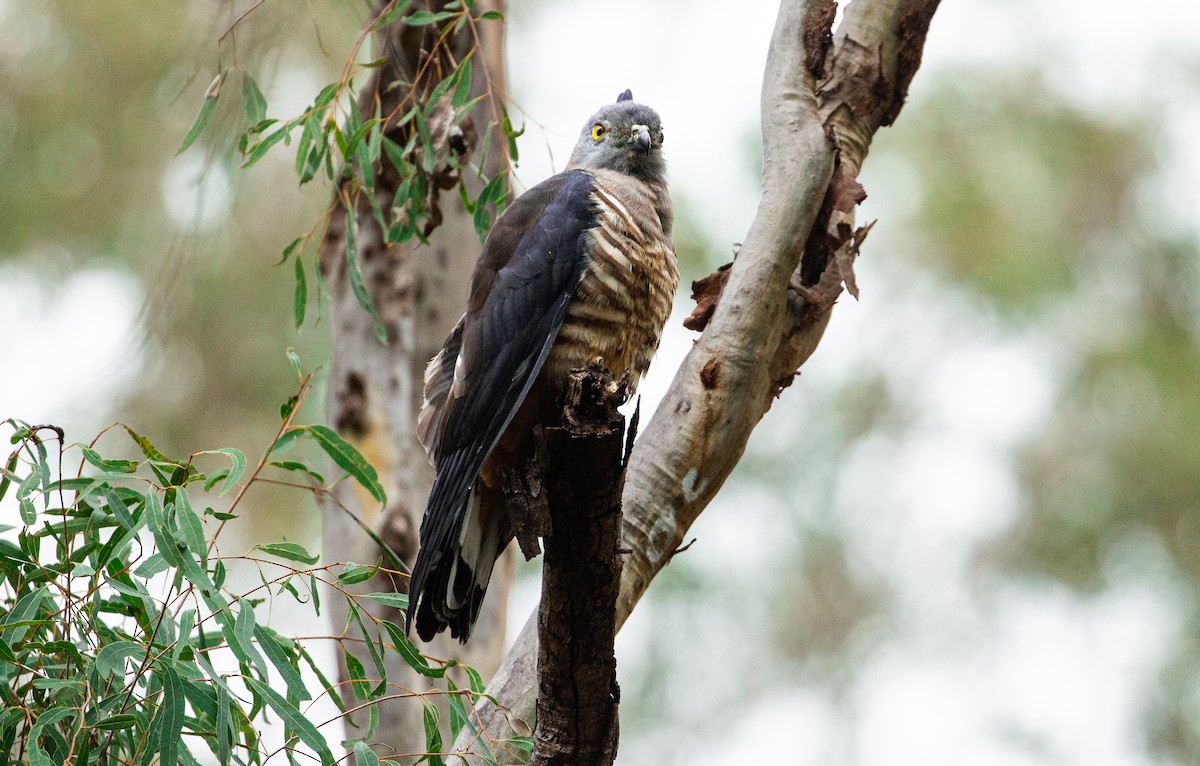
597	131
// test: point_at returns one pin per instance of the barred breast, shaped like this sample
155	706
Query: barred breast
624	296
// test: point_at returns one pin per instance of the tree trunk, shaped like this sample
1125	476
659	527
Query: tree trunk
823	98
375	390
581	574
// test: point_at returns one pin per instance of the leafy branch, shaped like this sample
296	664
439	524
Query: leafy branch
425	136
115	603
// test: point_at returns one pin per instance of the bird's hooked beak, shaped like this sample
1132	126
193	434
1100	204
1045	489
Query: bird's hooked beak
640	135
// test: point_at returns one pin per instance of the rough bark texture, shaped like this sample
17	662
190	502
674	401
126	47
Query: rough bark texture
823	98
376	389
577	669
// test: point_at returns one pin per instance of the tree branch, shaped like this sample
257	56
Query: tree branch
766	323
577	669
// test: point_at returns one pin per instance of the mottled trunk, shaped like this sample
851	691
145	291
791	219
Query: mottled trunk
375	390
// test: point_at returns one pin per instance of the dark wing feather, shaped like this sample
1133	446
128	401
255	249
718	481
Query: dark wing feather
523	283
439	379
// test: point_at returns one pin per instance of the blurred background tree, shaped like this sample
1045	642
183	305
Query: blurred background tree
153	273
970	534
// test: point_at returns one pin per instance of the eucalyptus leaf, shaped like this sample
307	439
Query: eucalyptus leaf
237	466
409	652
206	110
224	732
243	628
191	529
357	284
394	600
118	466
120	721
263	145
24	611
420	18
110	661
168	723
154	564
300	294
254	101
364	755
356	573
433	734
281	653
289	551
348	459
390	16
295	720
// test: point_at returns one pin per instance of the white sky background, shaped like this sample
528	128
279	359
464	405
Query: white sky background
968	683
1035	676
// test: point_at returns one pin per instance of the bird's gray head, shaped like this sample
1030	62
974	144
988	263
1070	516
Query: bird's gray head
626	137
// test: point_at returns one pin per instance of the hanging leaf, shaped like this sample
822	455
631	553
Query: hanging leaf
206	109
260	148
462	89
153	565
17	621
6	652
254	100
300	298
295	720
224	733
409	652
283	659
191	529
291	248
433	735
357	675
243	627
6	478
356	277
493	192
168	723
348	459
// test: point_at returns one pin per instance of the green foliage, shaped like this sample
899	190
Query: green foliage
412	146
114	606
1007	211
114	598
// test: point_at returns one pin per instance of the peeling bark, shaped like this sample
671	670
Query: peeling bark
876	52
762	328
706	293
818	36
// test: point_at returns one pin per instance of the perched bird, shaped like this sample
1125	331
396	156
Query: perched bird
578	267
